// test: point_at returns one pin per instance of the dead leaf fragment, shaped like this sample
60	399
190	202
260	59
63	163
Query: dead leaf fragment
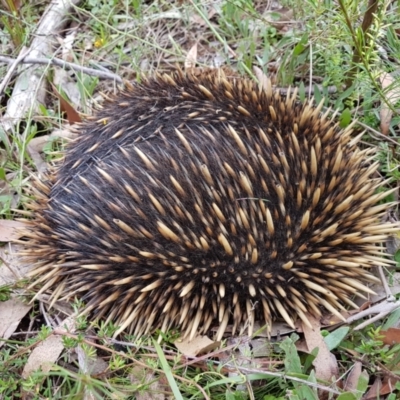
196	346
391	336
11	230
11	313
47	352
353	377
44	356
325	363
379	388
373	392
191	57
392	96
72	115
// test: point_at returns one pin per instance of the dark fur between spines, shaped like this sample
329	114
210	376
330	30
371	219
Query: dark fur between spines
196	200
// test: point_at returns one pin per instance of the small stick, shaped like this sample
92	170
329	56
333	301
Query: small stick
59	63
14	64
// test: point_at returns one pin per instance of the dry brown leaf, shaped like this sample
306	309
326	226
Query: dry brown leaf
196	346
11	230
47	352
72	115
191	57
391	336
351	382
39	142
388	385
301	345
325	363
11	313
44	355
373	392
392	96
380	389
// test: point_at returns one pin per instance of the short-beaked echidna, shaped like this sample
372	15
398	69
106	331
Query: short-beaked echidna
197	199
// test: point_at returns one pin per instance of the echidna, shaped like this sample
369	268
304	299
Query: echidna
197	199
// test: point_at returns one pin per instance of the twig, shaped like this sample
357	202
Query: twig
381	136
380	310
14	64
30	88
60	63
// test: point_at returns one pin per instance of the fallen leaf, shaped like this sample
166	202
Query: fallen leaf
191	57
11	313
196	346
391	336
388	385
11	230
373	392
46	353
38	143
44	356
392	96
351	382
325	362
379	388
72	115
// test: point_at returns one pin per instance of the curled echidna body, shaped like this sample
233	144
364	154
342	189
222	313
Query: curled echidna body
189	200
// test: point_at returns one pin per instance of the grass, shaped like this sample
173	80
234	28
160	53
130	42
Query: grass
318	46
